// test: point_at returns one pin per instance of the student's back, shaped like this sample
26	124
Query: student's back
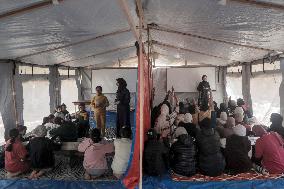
155	158
41	152
68	132
236	153
270	148
211	160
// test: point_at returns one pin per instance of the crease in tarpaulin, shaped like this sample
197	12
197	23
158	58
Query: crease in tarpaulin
131	179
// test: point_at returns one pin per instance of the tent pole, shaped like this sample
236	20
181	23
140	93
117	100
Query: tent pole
141	62
281	88
14	98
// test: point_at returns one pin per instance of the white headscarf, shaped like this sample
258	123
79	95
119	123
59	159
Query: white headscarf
187	118
180	131
240	130
238	110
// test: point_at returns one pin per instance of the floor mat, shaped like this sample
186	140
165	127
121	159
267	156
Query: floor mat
67	167
225	177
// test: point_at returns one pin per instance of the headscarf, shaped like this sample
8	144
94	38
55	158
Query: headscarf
238	110
230	122
258	130
276	119
239	117
180	131
240	130
187	118
40	131
164	109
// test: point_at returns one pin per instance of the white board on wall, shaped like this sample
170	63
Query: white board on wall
107	79
187	79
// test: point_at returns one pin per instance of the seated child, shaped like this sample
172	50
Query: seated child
210	159
182	154
269	149
122	152
82	119
155	155
67	132
41	152
95	150
236	151
15	155
53	124
59	113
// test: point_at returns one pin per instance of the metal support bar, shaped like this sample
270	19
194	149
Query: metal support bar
126	11
207	38
102	53
260	4
189	50
77	43
27	8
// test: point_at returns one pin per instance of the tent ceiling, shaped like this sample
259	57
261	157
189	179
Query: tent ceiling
94	32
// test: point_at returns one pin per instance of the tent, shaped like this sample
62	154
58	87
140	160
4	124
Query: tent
51	48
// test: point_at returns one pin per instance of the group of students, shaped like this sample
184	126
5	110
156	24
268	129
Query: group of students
63	127
186	139
38	154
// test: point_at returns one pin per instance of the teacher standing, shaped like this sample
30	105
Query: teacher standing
123	108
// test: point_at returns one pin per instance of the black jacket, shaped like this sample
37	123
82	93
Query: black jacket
182	156
155	158
236	153
190	128
41	153
210	159
67	132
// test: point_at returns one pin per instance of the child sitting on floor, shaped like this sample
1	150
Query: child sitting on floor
59	113
155	155
41	152
122	152
15	155
95	150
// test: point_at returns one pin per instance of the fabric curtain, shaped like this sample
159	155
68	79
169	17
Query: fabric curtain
67	97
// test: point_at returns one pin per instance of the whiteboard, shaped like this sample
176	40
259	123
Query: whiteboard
107	79
187	79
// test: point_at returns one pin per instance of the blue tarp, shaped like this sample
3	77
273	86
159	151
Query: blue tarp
167	183
148	183
55	184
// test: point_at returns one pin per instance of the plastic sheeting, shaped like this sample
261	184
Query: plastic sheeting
36	102
59	25
67	97
234	86
265	96
239	23
6	97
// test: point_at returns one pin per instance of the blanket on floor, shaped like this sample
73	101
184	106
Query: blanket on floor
226	177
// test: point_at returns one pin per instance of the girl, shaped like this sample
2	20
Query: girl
95	151
15	154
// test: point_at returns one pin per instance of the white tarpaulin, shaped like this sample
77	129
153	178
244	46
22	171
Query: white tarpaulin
265	96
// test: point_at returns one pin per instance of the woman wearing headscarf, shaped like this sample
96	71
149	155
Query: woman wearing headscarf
123	108
269	149
276	124
236	151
